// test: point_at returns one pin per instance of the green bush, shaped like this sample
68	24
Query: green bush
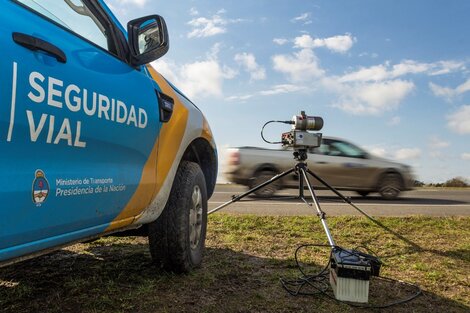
456	182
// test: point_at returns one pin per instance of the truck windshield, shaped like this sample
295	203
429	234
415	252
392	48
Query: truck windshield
74	15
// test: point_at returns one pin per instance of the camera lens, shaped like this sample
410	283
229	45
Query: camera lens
307	122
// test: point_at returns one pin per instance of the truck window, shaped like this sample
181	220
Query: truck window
340	148
323	149
73	15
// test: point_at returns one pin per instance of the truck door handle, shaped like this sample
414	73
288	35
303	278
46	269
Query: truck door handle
35	44
322	162
166	105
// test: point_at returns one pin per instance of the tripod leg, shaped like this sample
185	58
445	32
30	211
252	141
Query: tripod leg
305	201
320	213
348	201
301	187
238	198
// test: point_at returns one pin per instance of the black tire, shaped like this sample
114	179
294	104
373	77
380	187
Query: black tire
261	177
177	237
363	193
390	186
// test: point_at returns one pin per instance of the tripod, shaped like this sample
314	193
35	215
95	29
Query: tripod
301	169
300	155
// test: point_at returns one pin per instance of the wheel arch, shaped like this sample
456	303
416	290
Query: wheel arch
386	172
266	167
200	151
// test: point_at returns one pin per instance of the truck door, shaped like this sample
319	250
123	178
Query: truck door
342	164
320	163
77	125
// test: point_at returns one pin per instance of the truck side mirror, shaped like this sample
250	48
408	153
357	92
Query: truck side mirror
148	39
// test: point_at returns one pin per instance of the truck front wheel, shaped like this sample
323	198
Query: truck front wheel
177	237
261	177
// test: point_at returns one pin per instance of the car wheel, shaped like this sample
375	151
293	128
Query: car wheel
363	193
176	238
390	186
261	177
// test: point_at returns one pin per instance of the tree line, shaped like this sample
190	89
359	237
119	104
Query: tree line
453	182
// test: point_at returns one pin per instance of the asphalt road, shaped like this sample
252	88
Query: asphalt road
431	202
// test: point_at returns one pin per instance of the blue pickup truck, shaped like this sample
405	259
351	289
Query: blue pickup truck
93	140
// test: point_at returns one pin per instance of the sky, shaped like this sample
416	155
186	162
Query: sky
391	76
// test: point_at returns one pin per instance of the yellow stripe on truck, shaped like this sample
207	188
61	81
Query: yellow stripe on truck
171	134
160	160
206	131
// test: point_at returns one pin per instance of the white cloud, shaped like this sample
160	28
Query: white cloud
407	154
280	89
304	42
446	67
213	52
248	62
207	27
204	78
463	87
395	153
167	68
379	88
340	43
459	121
301	66
387	71
274	90
239	98
410	67
373	98
365	91
437	143
304	18
465	156
380	152
443	92
198	79
204	27
139	3
372	55
394	121
193	12
280	41
373	73
449	93
123	8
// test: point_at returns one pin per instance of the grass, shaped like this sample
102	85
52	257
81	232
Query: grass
245	257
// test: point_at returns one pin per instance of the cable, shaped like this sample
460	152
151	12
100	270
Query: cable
273	142
320	282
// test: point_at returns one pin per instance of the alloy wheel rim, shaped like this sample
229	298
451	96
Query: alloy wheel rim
195	217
